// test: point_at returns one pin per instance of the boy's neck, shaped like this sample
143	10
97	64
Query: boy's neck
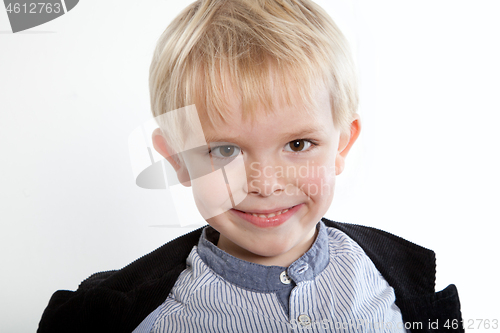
283	260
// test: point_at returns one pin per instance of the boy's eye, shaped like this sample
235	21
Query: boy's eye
225	151
298	145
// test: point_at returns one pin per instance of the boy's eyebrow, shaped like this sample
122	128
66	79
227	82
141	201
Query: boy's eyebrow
215	138
287	136
302	133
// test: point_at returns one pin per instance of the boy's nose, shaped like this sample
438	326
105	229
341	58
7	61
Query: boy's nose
265	179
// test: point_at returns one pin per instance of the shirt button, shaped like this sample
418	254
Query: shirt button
304	320
284	278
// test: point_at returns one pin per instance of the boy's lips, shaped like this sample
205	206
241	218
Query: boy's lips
265	211
267	218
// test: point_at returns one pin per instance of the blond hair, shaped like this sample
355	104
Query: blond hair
252	48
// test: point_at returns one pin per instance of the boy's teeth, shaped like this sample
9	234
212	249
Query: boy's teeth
270	215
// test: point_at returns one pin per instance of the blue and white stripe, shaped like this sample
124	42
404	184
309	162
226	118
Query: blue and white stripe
347	295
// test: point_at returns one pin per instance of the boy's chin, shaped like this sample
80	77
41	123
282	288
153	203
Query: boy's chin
268	250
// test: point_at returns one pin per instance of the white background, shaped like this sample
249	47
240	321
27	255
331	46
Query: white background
72	90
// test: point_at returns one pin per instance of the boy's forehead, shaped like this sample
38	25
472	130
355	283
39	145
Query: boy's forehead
232	100
301	117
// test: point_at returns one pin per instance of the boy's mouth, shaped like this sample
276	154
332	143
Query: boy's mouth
262	215
266	213
267	218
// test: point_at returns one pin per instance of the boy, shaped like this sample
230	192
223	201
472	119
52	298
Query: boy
264	97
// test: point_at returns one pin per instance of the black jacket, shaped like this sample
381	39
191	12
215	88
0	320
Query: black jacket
118	301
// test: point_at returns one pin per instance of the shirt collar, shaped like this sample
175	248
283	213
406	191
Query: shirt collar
258	277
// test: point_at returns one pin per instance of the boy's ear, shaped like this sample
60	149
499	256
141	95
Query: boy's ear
346	141
161	146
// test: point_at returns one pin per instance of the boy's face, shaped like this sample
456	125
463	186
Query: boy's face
290	159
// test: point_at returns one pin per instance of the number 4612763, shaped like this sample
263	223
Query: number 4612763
33	8
472	324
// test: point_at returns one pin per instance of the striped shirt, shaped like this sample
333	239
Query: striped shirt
333	287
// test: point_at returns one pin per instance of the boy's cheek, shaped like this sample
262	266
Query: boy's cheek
217	192
319	182
211	195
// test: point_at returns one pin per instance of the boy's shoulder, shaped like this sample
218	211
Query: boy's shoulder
119	300
409	268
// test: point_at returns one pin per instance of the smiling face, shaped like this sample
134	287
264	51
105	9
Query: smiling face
277	182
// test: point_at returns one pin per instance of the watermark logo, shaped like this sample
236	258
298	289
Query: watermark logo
28	14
